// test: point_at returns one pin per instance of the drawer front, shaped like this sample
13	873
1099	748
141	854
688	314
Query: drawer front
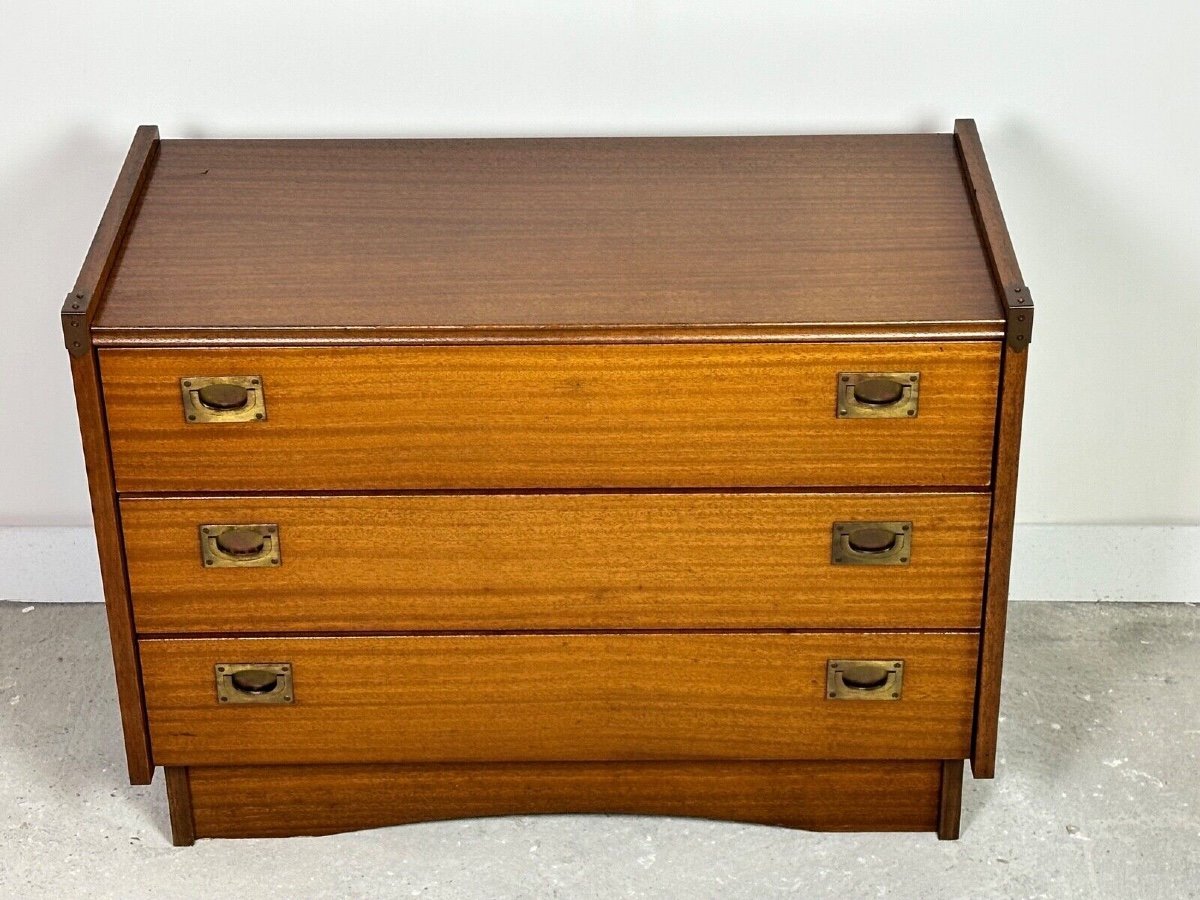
555	561
559	697
555	416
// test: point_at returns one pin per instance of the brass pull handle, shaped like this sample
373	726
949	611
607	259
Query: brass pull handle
878	395
209	399
223	396
239	546
875	391
241	542
864	679
254	683
872	543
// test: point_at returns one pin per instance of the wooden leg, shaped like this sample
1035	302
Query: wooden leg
950	801
179	802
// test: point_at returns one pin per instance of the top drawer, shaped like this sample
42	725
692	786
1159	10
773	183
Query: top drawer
552	416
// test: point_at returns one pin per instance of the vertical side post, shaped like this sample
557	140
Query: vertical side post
77	313
1018	306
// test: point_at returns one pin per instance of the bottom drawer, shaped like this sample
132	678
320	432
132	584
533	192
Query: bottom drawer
280	801
531	697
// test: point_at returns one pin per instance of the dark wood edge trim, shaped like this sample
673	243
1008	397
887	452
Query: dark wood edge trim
875	492
1018	306
199	633
950	800
368	634
78	310
342	337
999	561
81	304
179	802
1014	294
106	516
987	206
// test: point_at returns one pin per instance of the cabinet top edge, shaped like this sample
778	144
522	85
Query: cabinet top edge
103	338
578	234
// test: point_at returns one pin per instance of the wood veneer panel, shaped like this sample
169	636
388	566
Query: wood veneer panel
655	416
583	233
531	697
556	561
280	801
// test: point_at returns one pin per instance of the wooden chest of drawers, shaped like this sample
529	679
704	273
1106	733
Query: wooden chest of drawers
458	478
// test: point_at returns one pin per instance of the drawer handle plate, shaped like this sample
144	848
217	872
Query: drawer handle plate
213	399
878	395
239	546
864	679
871	543
269	683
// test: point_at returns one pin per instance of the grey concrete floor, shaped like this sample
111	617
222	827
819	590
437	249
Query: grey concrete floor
1097	796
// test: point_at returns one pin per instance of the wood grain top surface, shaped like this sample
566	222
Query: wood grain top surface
553	233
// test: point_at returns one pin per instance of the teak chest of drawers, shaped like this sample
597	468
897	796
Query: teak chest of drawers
445	478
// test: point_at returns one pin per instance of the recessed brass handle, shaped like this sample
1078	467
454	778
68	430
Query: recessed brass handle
241	542
871	543
864	679
878	395
239	546
223	396
875	391
209	399
254	683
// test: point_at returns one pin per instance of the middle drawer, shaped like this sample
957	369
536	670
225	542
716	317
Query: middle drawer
555	561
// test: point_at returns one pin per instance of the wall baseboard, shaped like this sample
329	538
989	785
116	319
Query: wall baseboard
49	564
1130	563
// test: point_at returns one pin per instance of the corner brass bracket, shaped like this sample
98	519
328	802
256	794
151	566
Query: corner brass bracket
74	323
1020	316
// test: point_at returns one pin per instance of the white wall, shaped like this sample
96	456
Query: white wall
1087	111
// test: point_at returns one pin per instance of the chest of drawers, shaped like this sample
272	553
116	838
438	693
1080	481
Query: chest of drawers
456	478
